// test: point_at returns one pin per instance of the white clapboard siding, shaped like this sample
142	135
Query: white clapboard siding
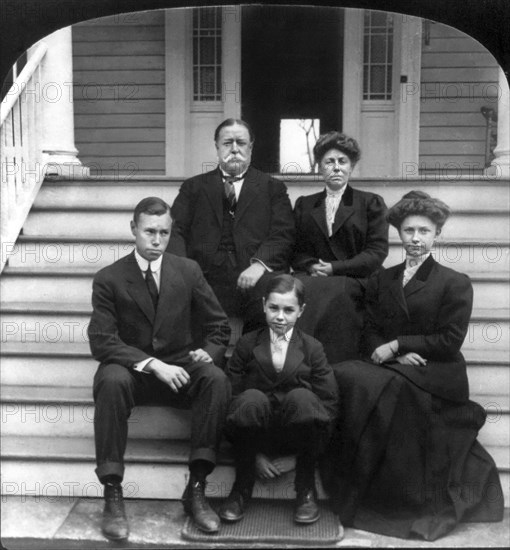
454	87
119	93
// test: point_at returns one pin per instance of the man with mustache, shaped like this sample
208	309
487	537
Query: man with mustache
237	223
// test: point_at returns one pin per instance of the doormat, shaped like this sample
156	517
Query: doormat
271	522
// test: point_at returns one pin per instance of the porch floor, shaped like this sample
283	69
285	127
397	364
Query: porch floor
64	523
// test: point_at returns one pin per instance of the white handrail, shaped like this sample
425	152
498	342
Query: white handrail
21	81
22	167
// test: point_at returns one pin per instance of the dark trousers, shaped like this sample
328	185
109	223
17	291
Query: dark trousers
236	302
296	424
118	389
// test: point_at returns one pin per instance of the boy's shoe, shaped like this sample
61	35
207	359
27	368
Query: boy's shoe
233	508
306	509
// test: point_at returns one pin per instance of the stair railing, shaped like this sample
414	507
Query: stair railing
22	166
491	119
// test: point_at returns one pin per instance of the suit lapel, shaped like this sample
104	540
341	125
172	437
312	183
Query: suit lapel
345	209
396	289
166	290
262	353
420	277
294	358
137	288
214	190
318	213
249	191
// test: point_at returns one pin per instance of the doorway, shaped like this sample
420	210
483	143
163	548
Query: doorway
291	69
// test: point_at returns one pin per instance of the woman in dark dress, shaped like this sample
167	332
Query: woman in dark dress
341	238
405	461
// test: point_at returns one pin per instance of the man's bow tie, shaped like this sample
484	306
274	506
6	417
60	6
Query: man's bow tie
232	179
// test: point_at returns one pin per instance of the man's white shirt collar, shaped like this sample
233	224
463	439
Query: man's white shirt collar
143	264
237	184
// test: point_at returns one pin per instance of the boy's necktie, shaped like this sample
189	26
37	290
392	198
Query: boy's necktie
278	354
151	286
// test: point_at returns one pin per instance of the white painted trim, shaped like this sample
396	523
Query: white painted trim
352	73
408	100
231	61
176	101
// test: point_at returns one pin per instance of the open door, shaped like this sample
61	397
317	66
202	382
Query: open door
292	61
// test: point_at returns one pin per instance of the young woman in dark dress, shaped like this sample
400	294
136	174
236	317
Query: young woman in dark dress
405	460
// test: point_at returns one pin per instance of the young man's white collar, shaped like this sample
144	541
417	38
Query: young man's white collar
143	264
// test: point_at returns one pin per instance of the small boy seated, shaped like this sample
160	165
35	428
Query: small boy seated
284	401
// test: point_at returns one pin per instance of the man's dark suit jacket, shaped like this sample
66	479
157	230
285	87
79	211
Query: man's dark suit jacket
125	329
263	226
429	316
359	243
306	366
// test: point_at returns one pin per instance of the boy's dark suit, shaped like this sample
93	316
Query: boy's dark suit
290	411
125	330
251	367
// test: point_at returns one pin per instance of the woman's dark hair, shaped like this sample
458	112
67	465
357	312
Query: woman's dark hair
418	203
154	206
281	284
232	122
337	140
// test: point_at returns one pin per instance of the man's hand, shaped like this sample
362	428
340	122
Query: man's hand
321	269
176	377
412	358
385	352
200	355
250	276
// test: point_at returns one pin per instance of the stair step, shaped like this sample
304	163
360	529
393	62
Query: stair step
18	284
45	394
71	369
68	323
126	192
154	469
114	222
71	328
65	365
141	480
65	449
59	253
68	412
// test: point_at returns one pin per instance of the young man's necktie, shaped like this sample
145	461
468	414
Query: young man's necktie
151	286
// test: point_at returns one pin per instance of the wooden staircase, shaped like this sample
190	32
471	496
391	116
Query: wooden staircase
46	370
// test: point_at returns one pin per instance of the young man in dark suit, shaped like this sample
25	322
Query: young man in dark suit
236	222
141	334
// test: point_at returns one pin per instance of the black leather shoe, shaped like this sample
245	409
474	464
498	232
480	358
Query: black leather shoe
233	508
114	524
306	510
196	506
